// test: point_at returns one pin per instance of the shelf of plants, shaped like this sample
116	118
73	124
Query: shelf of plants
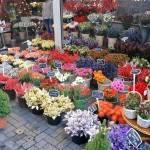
99	82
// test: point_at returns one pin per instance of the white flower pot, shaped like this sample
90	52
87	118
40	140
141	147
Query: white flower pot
111	42
142	122
87	82
148	93
124	92
75	34
130	114
25	19
106	84
85	36
99	39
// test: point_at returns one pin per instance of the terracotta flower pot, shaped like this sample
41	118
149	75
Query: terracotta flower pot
3	123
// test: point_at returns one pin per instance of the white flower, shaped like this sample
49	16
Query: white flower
147	78
145	93
79	80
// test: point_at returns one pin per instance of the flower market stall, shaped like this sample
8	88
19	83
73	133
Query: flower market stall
94	90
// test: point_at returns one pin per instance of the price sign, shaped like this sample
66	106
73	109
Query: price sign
4	53
98	94
42	65
54	93
30	48
124	39
101	61
134	137
17	56
51	73
120	79
57	64
92	108
136	71
98	49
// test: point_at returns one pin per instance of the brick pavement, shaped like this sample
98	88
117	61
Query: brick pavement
26	131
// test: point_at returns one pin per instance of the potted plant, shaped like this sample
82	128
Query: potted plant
73	28
80	96
101	140
86	73
133	100
79	123
147	79
126	20
100	32
102	81
4	108
69	68
37	78
54	107
34	100
143	112
84	29
112	35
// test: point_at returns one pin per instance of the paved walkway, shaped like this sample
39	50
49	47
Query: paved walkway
26	131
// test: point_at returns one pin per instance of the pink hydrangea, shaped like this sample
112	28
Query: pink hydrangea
118	85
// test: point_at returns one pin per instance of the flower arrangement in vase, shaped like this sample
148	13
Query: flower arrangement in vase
80	95
143	112
37	78
102	81
4	108
53	107
132	101
79	123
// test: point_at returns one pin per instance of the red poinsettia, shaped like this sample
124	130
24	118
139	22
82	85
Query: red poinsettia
140	87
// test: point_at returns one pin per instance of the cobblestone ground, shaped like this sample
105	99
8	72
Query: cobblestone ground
26	131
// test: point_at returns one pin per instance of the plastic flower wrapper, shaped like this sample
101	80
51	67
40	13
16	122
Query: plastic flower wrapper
119	141
118	85
80	122
84	72
69	68
54	106
78	80
35	97
62	77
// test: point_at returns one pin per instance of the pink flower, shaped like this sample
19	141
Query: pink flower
69	67
118	85
84	72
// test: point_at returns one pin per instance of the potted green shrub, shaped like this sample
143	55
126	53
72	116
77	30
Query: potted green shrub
112	35
143	114
85	29
132	102
4	108
100	32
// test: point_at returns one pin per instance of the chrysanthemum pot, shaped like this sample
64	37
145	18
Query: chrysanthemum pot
22	102
99	39
143	122
3	123
124	92
37	112
55	121
111	42
11	94
87	82
129	113
105	84
79	139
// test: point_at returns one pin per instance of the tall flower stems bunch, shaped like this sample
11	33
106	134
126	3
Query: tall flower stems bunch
126	20
80	92
84	72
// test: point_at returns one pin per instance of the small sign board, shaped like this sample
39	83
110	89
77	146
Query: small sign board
92	108
42	65
135	71
57	64
51	73
17	56
124	39
120	79
97	94
101	61
54	93
134	137
4	53
30	48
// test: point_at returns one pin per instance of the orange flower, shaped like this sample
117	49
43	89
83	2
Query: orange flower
122	98
37	75
109	92
98	76
23	72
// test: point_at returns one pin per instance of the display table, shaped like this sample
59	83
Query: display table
3	41
144	132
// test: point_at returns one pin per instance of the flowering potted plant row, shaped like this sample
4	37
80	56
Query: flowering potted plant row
84	29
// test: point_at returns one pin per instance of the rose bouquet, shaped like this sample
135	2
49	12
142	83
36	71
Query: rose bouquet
48	83
84	72
37	78
69	68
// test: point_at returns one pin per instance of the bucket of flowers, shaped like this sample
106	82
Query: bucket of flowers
86	73
80	96
24	75
102	81
62	77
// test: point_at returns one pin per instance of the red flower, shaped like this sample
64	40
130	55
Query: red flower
10	84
